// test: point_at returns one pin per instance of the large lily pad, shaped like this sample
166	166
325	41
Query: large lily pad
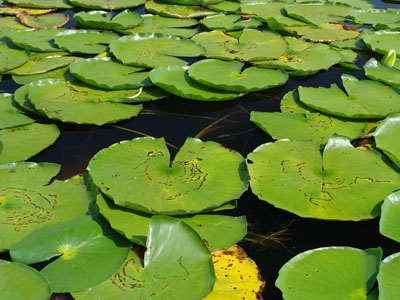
177	11
331	273
344	184
23	142
61	73
154	50
176	81
11	116
28	202
106	4
326	32
19	281
42	3
390	218
388	278
171	26
54	20
193	182
230	22
176	261
290	103
10	56
378	71
252	45
385	139
360	102
382	41
79	246
308	126
379	18
84	41
230	76
104	20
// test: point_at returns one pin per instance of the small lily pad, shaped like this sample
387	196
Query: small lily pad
384	137
14	275
382	41
109	74
44	21
193	182
330	273
390	218
230	22
176	80
84	41
230	76
78	246
42	3
344	184
326	32
177	11
23	142
61	73
10	23
377	71
10	56
388	278
104	20
154	50
11	116
106	4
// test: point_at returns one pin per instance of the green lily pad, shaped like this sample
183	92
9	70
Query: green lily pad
176	261
21	98
106	4
384	137
10	56
74	103
14	276
84	41
23	142
28	202
225	6
252	45
10	23
10	115
377	71
44	62
42	3
326	32
344	184
177	11
230	76
193	182
379	18
154	50
390	220
290	103
152	93
104	20
305	126
354	44
364	4
61	73
330	273
40	40
176	80
79	245
109	74
171	26
388	276
382	41
54	20
217	232
230	22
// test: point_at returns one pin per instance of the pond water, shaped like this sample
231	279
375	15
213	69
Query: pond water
227	123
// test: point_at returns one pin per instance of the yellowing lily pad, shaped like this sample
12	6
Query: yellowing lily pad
326	32
42	3
15	10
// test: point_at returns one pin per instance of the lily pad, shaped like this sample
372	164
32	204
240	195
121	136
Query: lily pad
84	41
10	23
171	26
10	56
330	273
23	142
176	261
106	4
217	232
21	98
177	11
388	277
382	41
61	73
379	18
230	76
344	184
359	102
290	103
326	32
109	74
377	71
44	21
384	137
28	202
193	182
390	220
11	116
78	246
15	275
230	22
42	3
225	6
15	10
252	45
308	126
104	20
40	40
154	50
176	80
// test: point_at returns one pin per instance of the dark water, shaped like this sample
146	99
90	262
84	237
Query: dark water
227	123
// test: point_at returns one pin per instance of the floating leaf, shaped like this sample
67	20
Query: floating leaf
252	45
79	245
109	74
330	273
10	115
10	23
379	18
14	276
154	50
237	276
61	73
229	22
382	41
230	76
84	41
290	103
377	71
15	10
10	56
355	44
106	4
176	262
44	21
105	20
42	3
384	137
344	184
225	6
305	126
326	32
177	11
390	220
176	81
193	182
23	142
28	202
388	278
359	102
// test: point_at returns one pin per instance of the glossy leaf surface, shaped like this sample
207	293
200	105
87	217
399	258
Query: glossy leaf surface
390	218
11	116
378	71
106	4
388	278
104	20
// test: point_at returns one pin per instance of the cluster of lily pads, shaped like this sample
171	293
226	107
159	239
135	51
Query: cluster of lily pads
91	227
